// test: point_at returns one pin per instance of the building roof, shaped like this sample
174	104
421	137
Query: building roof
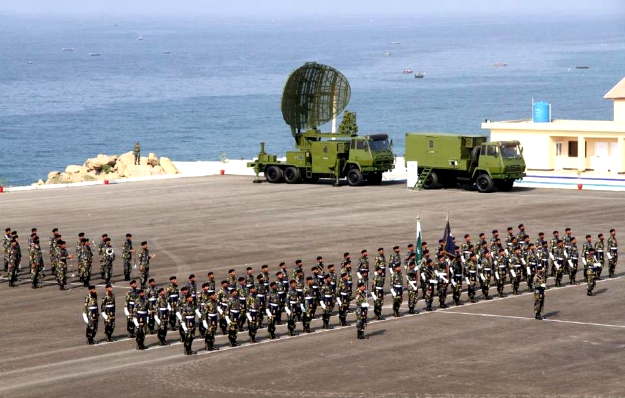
584	126
617	91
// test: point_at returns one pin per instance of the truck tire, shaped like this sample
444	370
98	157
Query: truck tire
273	174
354	177
484	183
431	181
504	185
374	178
292	175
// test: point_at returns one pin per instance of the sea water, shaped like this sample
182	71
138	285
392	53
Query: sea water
218	91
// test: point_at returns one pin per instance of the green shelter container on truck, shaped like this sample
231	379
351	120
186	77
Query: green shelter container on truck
451	159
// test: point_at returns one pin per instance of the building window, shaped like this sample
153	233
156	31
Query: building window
572	149
558	149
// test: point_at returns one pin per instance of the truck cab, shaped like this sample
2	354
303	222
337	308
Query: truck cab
370	154
502	161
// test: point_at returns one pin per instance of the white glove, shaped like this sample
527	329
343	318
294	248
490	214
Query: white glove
268	312
302	307
126	311
157	319
179	316
106	317
197	312
228	321
287	309
135	321
249	317
184	327
84	316
205	324
323	305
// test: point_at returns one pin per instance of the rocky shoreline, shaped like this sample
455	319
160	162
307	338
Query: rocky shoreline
112	167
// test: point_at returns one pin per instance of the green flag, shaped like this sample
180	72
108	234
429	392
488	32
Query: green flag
418	247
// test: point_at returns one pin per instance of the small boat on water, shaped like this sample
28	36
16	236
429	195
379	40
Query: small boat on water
419	75
139	38
68	49
582	67
395	42
408	71
386	53
166	52
500	64
29	62
94	54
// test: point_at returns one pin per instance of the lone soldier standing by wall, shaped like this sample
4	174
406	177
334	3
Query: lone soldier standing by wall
137	152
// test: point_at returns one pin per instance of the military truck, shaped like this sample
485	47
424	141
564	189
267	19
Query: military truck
315	94
452	159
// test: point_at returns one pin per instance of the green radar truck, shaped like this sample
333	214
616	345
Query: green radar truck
451	159
313	95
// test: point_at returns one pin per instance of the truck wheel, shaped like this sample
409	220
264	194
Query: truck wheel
292	175
354	177
431	181
273	174
374	179
504	185
484	183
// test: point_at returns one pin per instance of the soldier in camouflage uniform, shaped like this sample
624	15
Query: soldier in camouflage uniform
6	248
327	301
553	243
587	245
558	262
109	257
397	288
316	287
262	290
63	256
232	314
457	272
108	312
202	299
249	279
222	300
307	310
380	261
91	314
612	252
192	286
232	280
282	286
173	299
413	286
52	245
516	269
187	323
162	316
252	305
86	259
274	308
127	256
293	307
184	294
501	270
242	301
361	310
101	248
395	257
140	319
599	251
320	266
129	308
539	293
544	259
346	268
591	272
471	274
486	271
152	296
210	316
363	265
441	270
37	262
144	262
532	260
81	236
343	297
377	291
572	258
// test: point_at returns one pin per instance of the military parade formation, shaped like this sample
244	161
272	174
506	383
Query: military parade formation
253	302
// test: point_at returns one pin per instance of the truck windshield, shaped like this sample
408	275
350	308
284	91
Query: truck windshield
510	151
379	145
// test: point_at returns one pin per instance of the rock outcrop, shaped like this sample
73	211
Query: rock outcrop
104	167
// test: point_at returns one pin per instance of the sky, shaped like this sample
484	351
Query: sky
299	8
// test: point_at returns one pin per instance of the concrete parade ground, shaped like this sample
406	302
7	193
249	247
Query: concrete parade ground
196	225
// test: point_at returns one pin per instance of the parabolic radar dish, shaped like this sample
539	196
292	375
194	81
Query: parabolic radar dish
313	95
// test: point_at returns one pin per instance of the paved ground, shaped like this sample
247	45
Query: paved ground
492	348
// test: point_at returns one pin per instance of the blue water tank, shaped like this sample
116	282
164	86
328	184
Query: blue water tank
541	112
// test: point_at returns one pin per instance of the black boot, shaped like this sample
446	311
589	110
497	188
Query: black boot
442	304
540	318
411	310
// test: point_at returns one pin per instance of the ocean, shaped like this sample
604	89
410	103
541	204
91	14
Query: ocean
218	89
